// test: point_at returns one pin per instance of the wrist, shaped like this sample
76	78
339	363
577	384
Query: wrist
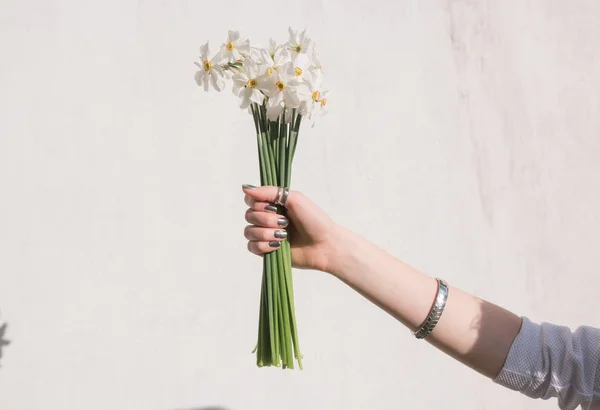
344	245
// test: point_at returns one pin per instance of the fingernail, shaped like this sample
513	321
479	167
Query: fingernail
282	222
281	234
270	208
248	186
274	244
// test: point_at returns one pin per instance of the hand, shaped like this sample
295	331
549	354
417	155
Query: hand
311	232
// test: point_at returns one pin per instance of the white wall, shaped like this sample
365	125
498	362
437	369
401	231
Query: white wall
463	136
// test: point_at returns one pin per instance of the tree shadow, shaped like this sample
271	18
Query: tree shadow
3	341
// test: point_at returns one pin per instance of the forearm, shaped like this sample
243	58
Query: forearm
475	332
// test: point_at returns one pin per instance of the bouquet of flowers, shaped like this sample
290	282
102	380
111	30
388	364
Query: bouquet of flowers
281	86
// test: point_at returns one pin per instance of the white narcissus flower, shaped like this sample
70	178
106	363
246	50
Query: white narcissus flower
316	60
284	89
209	70
314	82
270	66
273	62
322	110
299	43
245	84
314	111
288	77
300	65
235	49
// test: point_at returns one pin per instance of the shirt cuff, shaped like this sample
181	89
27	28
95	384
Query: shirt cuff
516	372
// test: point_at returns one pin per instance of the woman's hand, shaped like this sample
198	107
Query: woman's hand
310	231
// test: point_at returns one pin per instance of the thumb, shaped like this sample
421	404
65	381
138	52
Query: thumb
265	193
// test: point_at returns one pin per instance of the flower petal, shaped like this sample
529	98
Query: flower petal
293	36
237	88
286	72
282	56
277	98
255	54
233	36
246	98
272	46
244	46
204	51
274	111
240	77
199	76
302	61
219	58
216	80
291	98
266	83
257	97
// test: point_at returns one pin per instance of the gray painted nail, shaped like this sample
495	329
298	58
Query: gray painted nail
270	208
281	234
274	244
248	186
282	222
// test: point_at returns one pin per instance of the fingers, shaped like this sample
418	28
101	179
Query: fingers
266	232
267	194
267	229
260	248
266	219
259	206
256	233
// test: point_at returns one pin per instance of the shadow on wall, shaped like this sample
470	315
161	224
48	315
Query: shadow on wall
3	342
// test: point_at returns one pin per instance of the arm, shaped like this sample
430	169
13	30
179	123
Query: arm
540	361
408	294
537	360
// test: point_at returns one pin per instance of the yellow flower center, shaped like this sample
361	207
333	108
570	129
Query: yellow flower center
298	48
298	71
270	71
324	102
230	46
316	95
280	86
207	65
252	83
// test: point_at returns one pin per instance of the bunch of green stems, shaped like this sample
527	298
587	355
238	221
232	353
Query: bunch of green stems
277	343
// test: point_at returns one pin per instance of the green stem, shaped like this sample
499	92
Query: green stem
263	347
270	289
289	159
292	307
264	350
289	359
278	335
277	310
283	163
275	144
